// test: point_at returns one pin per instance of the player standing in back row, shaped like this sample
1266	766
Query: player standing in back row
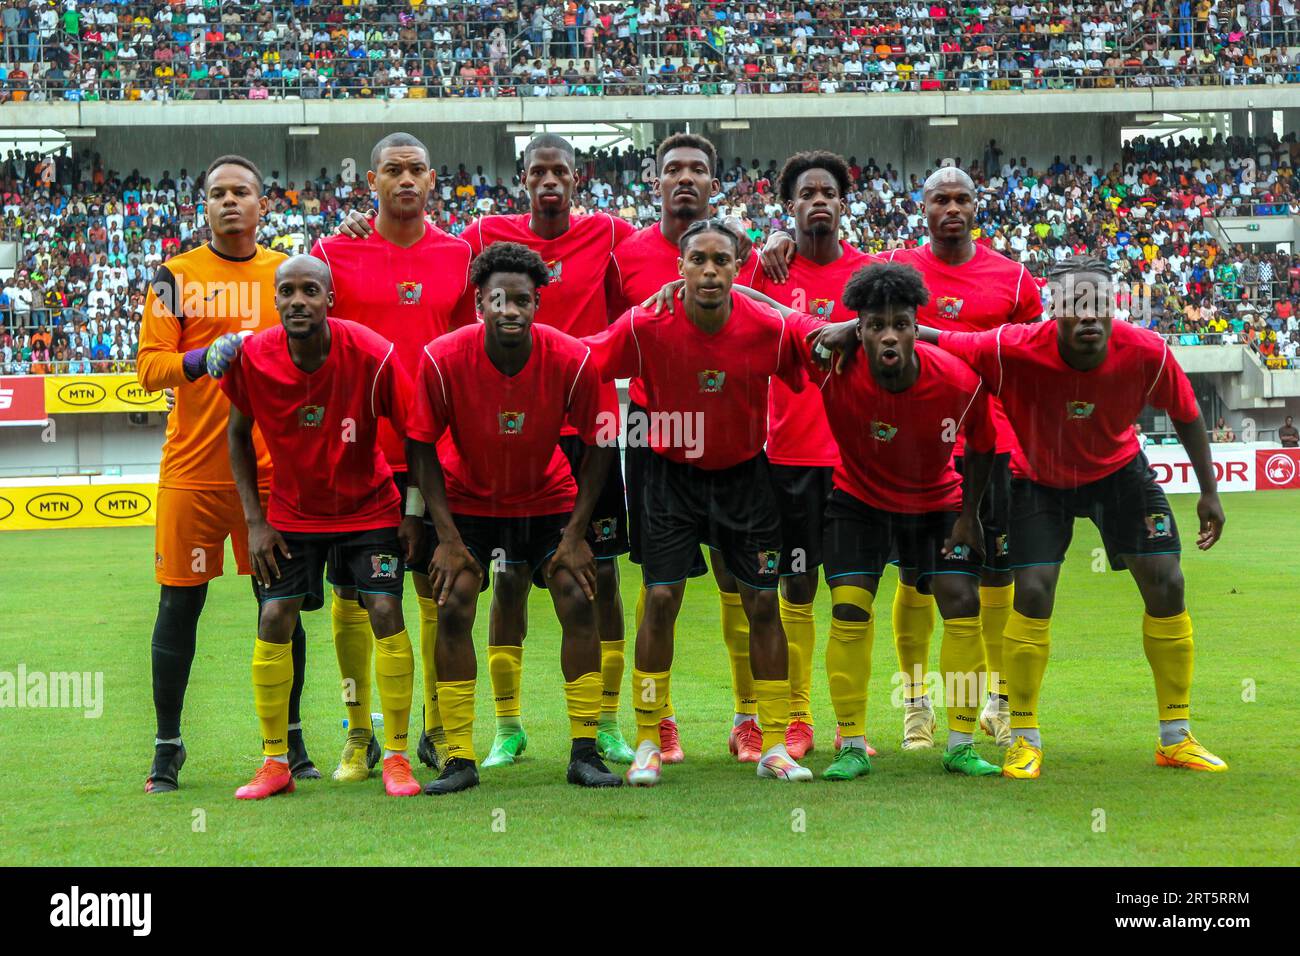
196	305
408	281
800	445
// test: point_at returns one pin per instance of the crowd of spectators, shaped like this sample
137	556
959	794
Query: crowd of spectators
240	49
91	238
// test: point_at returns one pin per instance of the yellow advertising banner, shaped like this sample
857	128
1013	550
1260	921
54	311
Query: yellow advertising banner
77	506
79	394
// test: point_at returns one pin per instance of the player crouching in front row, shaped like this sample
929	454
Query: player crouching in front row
494	397
896	418
316	387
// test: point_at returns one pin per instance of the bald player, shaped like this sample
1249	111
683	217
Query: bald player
317	388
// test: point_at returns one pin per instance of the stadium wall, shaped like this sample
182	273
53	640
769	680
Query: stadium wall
79	444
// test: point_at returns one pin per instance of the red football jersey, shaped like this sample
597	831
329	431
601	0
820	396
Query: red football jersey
797	431
983	293
1075	427
643	264
408	295
896	448
497	435
574	300
322	429
706	394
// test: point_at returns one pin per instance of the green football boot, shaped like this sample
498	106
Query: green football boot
965	760
507	747
849	762
610	743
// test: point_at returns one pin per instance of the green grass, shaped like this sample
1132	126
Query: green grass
85	600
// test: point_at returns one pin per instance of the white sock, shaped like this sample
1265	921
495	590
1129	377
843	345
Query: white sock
739	719
393	753
293	727
280	758
174	741
778	750
957	739
647	745
1173	731
671	719
922	701
859	742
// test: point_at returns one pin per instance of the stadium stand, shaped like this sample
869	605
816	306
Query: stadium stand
209	49
91	238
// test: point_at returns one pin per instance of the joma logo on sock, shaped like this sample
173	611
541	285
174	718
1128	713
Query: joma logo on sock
74	909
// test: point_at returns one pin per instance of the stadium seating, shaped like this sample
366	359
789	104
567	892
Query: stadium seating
88	250
205	49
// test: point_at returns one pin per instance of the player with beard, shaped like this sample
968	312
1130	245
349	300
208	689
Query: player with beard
196	306
686	167
406	281
576	249
972	288
800	445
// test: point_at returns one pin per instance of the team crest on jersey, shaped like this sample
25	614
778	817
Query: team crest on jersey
769	562
510	423
310	416
408	293
883	431
1159	526
383	566
1079	411
949	307
822	308
711	380
605	528
554	269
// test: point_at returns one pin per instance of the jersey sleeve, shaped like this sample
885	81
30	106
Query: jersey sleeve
977	426
159	361
473	234
1029	299
429	413
790	363
465	311
615	301
235	385
1171	390
392	393
318	252
622	230
615	351
583	403
979	350
800	324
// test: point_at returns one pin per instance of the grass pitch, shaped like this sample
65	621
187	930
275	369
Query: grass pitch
72	794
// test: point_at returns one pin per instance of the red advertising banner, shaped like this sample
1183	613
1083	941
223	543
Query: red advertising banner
22	399
1277	468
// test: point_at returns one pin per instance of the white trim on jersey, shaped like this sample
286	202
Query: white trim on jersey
374	385
568	401
640	359
442	382
1001	372
974	395
1164	357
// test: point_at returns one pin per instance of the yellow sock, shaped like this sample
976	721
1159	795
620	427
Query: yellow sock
801	638
1168	644
735	633
456	701
913	616
1025	645
395	675
428	639
995	608
612	662
773	700
960	657
352	643
649	703
272	680
506	668
640	613
583	699
848	660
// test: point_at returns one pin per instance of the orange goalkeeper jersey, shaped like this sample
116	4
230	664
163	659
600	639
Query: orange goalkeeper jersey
194	298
